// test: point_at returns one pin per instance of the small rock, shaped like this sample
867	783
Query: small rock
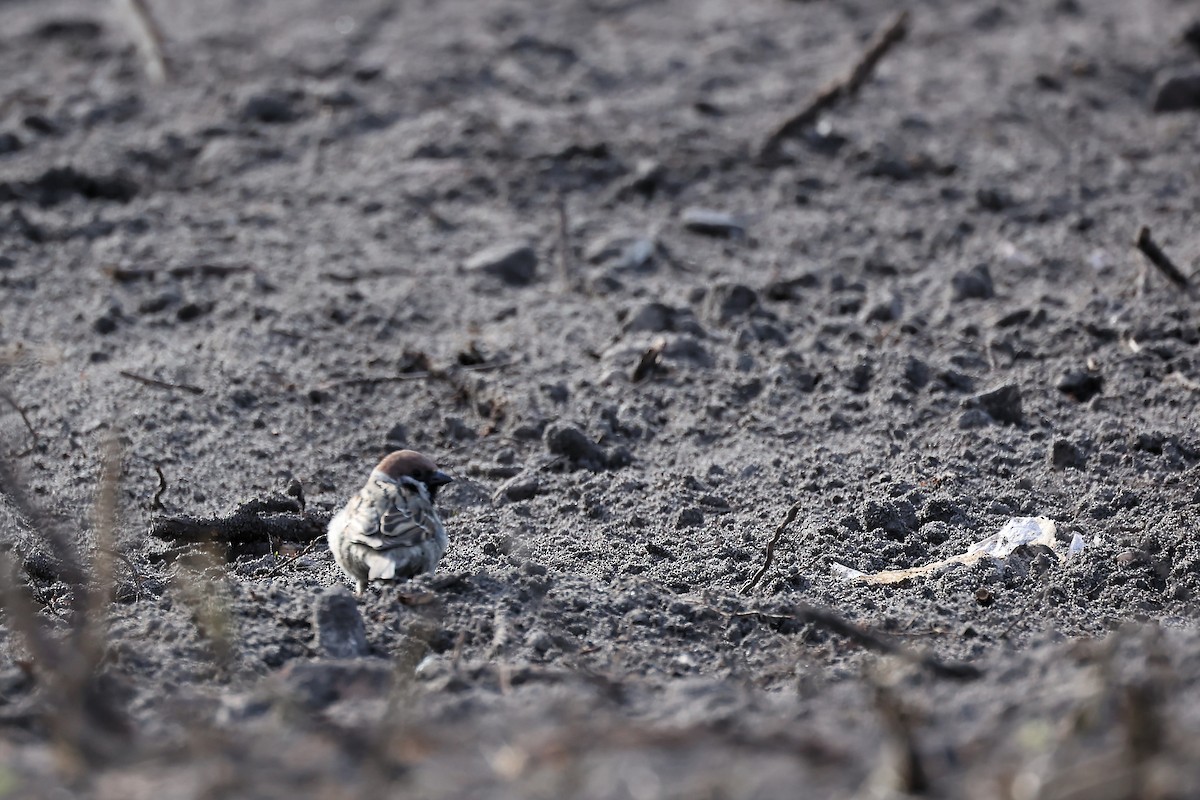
9	143
539	641
885	310
992	198
1177	91
916	373
623	254
727	301
689	518
1002	404
519	488
713	223
1191	35
105	324
652	317
272	106
1065	454
339	626
515	264
1081	386
565	439
974	283
896	518
396	436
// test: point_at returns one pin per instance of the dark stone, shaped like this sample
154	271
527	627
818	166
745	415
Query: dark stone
1002	404
244	398
1177	91
916	373
515	264
1191	35
973	283
896	518
9	143
397	435
271	106
689	518
339	626
105	325
993	199
520	487
1064	454
727	301
712	223
1081	386
191	311
565	439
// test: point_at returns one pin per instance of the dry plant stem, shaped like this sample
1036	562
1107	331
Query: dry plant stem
183	387
906	772
148	37
156	503
436	374
564	243
28	425
873	641
1159	259
841	89
104	522
771	545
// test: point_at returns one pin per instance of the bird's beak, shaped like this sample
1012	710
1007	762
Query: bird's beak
439	478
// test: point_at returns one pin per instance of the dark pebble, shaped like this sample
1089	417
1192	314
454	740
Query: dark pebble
339	626
515	264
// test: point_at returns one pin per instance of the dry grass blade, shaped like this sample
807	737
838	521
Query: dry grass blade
771	545
28	425
148	37
1155	255
841	89
86	725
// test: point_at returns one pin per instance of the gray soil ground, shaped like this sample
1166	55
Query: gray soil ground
540	242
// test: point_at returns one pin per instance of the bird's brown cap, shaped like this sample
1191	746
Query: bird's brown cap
410	463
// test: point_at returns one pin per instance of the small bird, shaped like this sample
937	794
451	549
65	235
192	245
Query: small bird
390	529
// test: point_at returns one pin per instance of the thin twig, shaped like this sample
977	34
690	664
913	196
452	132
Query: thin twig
841	89
1159	259
24	418
564	243
873	641
149	38
183	387
156	502
433	374
771	545
285	564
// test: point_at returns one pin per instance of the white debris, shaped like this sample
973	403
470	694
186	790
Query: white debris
1017	532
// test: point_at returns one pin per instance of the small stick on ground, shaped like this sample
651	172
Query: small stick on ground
902	769
250	530
433	374
147	36
873	641
28	425
649	360
156	383
156	502
1160	260
841	89
564	244
771	545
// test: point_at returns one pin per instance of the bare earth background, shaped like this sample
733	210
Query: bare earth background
291	226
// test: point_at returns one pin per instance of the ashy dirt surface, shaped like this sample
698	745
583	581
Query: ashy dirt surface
538	241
